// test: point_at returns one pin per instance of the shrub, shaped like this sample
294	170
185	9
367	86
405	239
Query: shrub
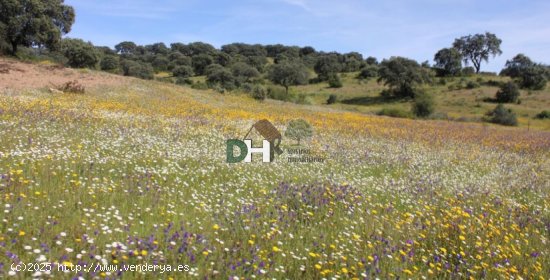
423	105
508	93
472	85
369	71
543	115
184	81
332	99
303	99
278	93
72	87
468	71
183	71
248	87
502	115
79	53
534	77
137	69
298	129
394	112
109	63
259	93
221	78
334	81
402	75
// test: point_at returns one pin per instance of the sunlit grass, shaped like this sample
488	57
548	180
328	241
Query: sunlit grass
137	174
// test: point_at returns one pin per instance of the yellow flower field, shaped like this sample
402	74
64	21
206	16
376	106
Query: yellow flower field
136	174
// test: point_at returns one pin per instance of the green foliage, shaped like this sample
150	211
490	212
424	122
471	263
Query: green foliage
109	63
477	48
508	93
126	47
468	71
472	85
222	78
183	71
298	129
243	72
184	81
423	105
200	62
160	63
502	115
79	54
448	62
369	71
334	81
278	93
34	23
543	115
302	99
288	74
259	93
371	60
528	74
137	69
394	113
402	75
332	99
327	65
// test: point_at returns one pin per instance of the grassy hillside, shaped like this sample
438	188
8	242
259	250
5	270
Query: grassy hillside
455	101
140	167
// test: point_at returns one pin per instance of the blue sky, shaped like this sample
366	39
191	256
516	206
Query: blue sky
384	28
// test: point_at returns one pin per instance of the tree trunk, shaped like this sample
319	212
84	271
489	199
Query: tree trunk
13	48
286	89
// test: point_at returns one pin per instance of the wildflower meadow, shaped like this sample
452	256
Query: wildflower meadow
98	185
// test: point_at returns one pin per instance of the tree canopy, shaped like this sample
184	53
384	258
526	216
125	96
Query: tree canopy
288	74
478	48
448	62
402	75
526	72
34	22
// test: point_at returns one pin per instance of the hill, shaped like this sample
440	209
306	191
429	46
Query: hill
141	167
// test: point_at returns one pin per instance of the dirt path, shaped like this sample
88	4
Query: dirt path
17	75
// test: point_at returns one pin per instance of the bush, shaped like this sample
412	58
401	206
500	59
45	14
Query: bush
533	78
137	69
278	93
394	112
472	85
502	115
508	93
423	105
79	53
109	63
298	129
468	71
334	81
199	85
72	87
221	78
183	71
259	93
369	71
543	115
184	81
332	99
303	99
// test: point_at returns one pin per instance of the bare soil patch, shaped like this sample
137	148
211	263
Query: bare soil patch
17	75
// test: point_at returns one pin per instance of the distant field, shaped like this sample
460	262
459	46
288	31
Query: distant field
140	167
